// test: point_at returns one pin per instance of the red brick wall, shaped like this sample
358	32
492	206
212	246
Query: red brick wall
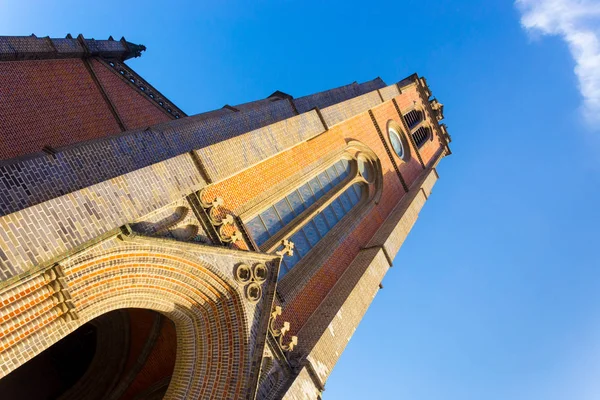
57	103
410	169
160	362
406	101
360	128
49	102
247	185
134	109
140	324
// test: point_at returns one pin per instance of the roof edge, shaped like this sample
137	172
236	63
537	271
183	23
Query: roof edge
18	48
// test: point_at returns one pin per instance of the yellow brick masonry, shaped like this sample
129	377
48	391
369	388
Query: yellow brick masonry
229	157
38	234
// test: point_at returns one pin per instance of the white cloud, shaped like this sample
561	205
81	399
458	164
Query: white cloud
578	23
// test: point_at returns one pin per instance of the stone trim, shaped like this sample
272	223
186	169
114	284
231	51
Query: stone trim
388	151
409	133
140	85
251	148
389	92
345	110
295	280
170	277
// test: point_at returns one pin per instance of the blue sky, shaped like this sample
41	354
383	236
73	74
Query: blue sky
496	292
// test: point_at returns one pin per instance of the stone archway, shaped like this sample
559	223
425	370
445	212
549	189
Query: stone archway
114	356
220	333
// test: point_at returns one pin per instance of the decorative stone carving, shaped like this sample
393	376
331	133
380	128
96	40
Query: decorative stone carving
144	87
243	273
253	278
425	87
438	109
253	292
280	333
61	298
224	225
288	248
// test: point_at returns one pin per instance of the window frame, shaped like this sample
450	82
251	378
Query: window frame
422	123
406	143
428	137
292	231
296	278
271	244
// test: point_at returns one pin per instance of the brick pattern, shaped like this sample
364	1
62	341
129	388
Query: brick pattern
410	95
251	148
342	111
275	373
67	208
302	388
175	221
192	285
251	183
411	168
29	182
159	364
337	95
49	103
330	327
14	48
141	328
135	110
38	234
389	92
143	88
344	308
393	231
298	310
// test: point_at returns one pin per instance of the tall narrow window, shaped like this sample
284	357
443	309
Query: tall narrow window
421	135
270	221
413	118
317	227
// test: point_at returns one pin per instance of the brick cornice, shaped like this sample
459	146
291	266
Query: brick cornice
19	48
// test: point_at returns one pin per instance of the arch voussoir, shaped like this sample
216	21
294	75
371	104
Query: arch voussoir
207	305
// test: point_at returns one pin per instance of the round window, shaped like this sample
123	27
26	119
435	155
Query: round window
363	168
396	142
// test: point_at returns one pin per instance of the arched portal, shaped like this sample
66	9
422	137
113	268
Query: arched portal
219	327
123	354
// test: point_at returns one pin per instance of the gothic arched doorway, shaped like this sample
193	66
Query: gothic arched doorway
121	355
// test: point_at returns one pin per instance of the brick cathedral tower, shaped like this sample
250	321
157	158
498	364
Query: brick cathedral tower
145	253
